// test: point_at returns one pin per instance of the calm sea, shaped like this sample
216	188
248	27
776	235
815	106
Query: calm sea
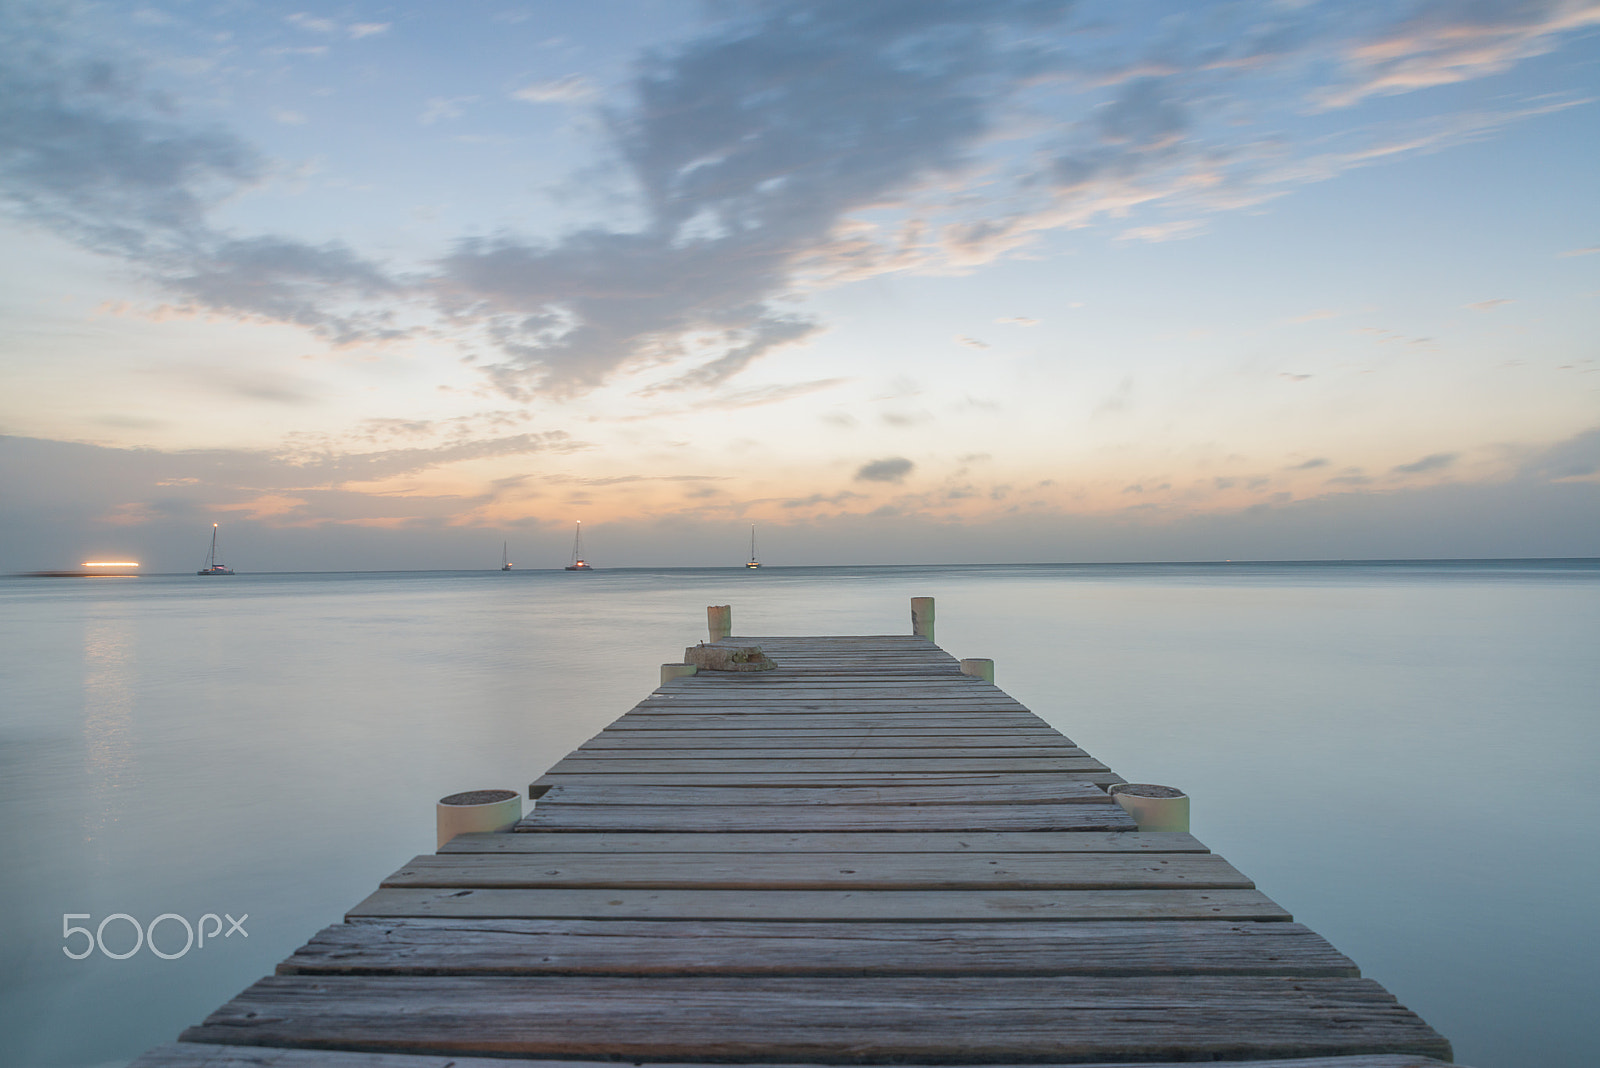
1401	754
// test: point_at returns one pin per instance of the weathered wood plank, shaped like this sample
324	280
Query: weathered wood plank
895	905
668	775
683	751
1060	791
818	738
864	763
756	719
1038	817
210	1055
691	947
831	842
987	1019
822	871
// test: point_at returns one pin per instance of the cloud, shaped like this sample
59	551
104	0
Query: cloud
779	149
970	342
1310	464
817	498
443	108
1590	251
1176	230
1433	462
1293	377
749	144
894	469
87	152
1444	42
1489	305
310	23
1018	320
572	89
1576	458
90	154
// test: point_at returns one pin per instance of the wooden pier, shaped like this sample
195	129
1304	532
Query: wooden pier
861	857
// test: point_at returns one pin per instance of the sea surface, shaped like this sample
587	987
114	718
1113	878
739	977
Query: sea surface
1403	754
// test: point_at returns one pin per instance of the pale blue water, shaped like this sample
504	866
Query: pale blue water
1403	755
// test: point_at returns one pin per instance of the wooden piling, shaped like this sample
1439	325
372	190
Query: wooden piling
922	617
719	621
676	671
978	667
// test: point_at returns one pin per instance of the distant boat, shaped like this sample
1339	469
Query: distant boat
577	551
212	567
754	563
505	564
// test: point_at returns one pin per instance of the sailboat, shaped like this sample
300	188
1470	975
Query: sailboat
754	563
212	567
577	551
505	563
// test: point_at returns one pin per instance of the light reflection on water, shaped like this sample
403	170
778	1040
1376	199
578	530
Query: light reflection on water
110	762
1359	739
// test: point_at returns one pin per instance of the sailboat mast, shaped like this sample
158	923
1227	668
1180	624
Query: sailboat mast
211	561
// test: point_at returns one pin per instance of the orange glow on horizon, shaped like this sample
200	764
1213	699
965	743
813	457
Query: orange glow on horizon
110	563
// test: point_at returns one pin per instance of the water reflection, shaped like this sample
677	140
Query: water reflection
110	675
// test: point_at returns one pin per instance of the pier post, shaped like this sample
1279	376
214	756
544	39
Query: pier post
1153	808
980	667
476	810
922	617
676	671
719	620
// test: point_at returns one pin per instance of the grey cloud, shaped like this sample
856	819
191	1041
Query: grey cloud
1576	457
87	152
1307	465
748	145
90	154
894	469
387	463
818	498
317	287
1432	462
1147	113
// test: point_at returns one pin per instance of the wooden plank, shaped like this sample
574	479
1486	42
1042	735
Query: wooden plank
666	775
893	905
1060	791
863	763
773	818
822	871
855	752
926	738
210	1055
707	686
709	693
759	720
991	1018
691	947
831	842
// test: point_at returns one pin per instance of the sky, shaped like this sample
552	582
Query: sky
387	285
